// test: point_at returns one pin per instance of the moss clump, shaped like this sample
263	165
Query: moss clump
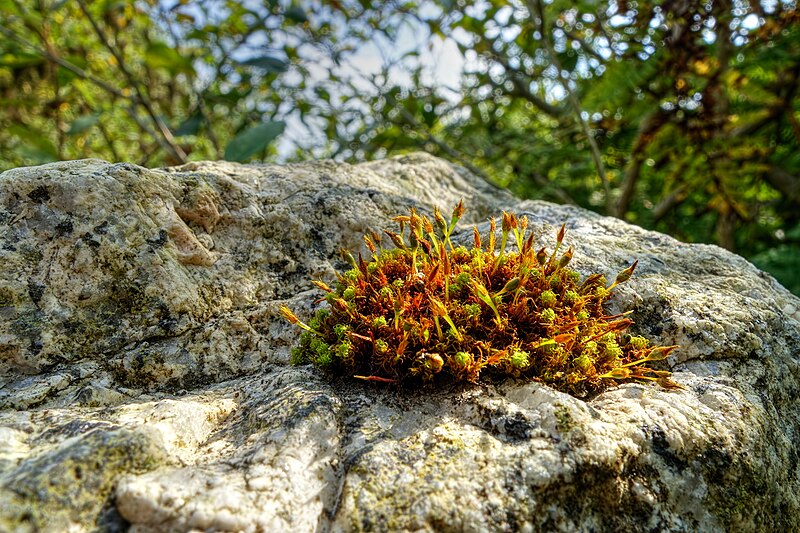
427	310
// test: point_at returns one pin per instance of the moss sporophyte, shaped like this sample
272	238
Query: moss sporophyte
426	309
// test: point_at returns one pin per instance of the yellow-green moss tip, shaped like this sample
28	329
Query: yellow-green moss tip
431	311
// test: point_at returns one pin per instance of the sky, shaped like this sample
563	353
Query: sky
442	60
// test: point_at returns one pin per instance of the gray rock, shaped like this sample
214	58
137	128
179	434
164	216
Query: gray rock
145	385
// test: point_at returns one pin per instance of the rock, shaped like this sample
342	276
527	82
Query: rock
72	482
145	384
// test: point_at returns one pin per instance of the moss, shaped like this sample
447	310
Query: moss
8	297
30	254
447	313
386	504
71	485
564	421
741	497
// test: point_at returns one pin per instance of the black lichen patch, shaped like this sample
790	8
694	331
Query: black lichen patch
517	427
35	291
510	426
159	240
654	317
166	321
36	346
718	462
65	227
90	240
73	428
39	194
662	448
743	498
594	489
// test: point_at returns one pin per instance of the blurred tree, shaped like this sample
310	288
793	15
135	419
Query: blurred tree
150	82
678	115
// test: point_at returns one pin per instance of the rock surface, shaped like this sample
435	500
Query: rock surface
144	382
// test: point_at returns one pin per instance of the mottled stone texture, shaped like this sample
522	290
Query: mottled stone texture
144	382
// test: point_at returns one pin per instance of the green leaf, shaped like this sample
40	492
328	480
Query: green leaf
161	55
296	14
253	140
20	60
568	60
266	63
7	7
200	34
190	126
66	76
34	145
83	123
783	262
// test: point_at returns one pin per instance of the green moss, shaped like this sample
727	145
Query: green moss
520	359
31	254
71	485
547	298
8	297
564	421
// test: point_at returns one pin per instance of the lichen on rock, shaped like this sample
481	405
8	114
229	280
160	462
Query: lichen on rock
145	381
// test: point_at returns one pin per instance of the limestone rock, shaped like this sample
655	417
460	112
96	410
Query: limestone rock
144	377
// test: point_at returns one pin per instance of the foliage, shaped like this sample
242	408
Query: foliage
677	116
150	82
427	310
783	261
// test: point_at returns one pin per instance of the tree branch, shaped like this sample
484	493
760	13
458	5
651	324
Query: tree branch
562	195
538	7
109	140
133	99
63	63
784	182
670	202
647	130
165	139
446	148
522	86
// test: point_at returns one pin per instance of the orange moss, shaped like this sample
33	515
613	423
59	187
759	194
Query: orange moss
428	310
